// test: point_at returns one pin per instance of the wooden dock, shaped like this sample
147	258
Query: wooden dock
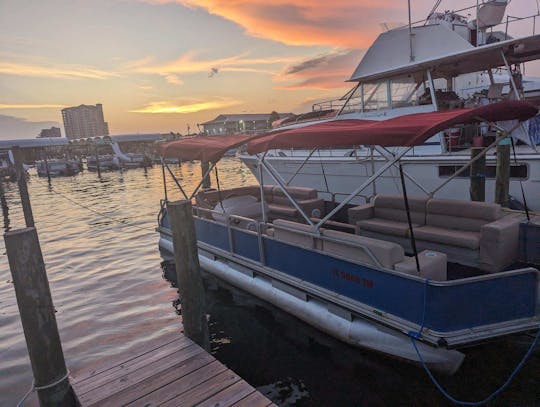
169	371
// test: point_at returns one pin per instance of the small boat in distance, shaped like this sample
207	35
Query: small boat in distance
58	167
106	162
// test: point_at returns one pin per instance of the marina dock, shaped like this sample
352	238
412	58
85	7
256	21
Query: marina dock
170	371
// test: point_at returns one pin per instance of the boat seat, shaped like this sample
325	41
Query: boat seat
387	253
296	233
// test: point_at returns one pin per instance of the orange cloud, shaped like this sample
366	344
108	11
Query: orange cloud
192	107
338	23
59	71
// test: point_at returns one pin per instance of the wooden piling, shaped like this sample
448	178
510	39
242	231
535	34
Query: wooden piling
502	177
478	176
37	316
23	188
188	274
204	169
47	169
97	160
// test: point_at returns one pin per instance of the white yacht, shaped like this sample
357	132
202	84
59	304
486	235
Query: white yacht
445	62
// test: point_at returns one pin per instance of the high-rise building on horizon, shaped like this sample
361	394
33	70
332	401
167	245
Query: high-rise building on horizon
84	121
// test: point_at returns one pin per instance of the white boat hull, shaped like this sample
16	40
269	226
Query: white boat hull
340	175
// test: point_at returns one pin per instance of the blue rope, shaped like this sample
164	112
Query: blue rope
495	393
415	335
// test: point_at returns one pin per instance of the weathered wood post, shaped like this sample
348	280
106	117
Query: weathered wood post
190	284
97	160
47	169
37	316
23	188
5	208
478	176
204	169
502	177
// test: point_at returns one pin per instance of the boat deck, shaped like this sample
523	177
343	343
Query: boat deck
169	371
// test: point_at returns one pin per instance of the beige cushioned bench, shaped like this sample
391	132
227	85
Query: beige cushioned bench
279	206
476	234
343	245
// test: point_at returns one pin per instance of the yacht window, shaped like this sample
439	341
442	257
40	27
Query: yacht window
376	95
404	92
519	171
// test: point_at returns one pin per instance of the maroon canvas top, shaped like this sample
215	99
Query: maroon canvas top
406	131
204	148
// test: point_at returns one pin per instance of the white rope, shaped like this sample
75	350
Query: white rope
33	387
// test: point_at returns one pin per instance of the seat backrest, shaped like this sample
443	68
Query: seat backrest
392	207
295	233
461	215
299	193
387	253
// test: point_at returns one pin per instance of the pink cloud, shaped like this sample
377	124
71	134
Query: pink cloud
338	23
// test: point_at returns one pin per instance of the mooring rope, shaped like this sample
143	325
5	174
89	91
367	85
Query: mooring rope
33	387
415	335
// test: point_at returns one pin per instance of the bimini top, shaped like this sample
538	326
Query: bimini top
204	148
405	131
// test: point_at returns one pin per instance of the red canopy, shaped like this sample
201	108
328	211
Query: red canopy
408	130
204	148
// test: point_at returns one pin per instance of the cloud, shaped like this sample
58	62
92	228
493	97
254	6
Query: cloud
59	71
27	106
191	62
338	23
174	80
323	72
191	107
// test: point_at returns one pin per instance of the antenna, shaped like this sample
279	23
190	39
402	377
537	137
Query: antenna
410	32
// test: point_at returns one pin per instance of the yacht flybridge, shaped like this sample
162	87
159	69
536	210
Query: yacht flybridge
375	275
443	63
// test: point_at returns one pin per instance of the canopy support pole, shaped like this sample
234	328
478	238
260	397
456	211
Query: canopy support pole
283	187
176	180
381	150
432	90
409	221
362	187
504	134
164	179
301	166
261	184
202	180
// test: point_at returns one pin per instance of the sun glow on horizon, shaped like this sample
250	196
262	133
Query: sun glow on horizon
168	107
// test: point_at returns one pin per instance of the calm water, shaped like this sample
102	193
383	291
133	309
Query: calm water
107	287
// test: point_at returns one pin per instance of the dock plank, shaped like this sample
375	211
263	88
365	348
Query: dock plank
228	396
171	371
204	390
182	385
138	391
138	374
131	365
106	363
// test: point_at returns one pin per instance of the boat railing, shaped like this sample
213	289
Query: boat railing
512	19
260	226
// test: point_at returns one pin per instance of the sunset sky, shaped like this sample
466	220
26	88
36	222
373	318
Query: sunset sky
159	65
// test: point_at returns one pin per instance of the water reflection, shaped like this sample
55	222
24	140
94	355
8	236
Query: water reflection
101	252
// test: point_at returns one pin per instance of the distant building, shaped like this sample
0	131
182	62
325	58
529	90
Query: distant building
240	123
52	132
84	121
